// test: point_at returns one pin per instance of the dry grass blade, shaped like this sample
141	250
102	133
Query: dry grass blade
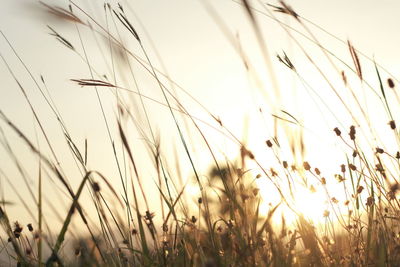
286	61
356	60
67	221
92	82
122	18
62	13
60	38
286	9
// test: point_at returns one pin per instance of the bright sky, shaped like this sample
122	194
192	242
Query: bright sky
198	57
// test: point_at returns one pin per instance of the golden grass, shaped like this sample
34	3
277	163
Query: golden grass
225	226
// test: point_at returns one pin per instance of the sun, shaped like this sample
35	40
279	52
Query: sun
311	203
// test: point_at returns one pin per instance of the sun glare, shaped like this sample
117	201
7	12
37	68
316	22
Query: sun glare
310	203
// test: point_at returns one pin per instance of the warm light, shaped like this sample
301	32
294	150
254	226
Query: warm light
310	202
311	205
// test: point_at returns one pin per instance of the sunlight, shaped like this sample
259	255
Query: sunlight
312	204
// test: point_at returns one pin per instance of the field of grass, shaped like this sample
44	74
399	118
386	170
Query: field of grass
150	214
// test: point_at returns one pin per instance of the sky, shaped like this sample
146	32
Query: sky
199	57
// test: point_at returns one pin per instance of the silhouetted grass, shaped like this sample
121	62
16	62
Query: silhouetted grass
223	225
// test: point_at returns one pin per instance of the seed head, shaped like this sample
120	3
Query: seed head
285	164
337	131
392	125
370	201
306	166
352	167
390	83
334	200
343	168
96	187
352	132
269	143
360	189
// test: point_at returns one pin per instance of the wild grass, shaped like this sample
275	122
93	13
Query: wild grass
225	223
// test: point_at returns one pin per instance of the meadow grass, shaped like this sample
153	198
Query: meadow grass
226	225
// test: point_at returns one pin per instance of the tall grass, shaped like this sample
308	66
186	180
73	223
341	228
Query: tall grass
227	222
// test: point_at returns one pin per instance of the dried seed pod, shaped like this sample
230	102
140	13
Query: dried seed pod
269	143
96	187
285	164
390	83
352	167
343	168
352	132
306	166
370	201
337	131
392	125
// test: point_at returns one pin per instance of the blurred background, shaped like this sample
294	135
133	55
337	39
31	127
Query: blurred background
199	45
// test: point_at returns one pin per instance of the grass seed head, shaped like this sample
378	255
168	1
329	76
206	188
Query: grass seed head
392	124
352	132
343	168
96	187
390	83
306	166
337	131
370	201
352	167
269	143
285	164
